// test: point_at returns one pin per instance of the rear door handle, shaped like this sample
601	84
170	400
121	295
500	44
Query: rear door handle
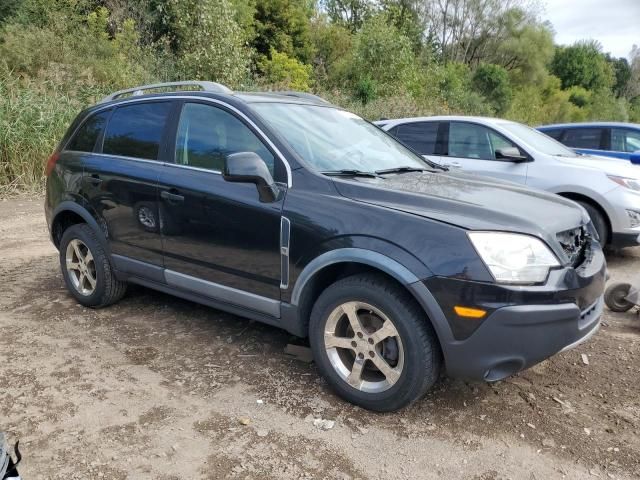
95	179
171	197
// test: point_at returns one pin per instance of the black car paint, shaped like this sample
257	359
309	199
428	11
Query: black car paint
413	226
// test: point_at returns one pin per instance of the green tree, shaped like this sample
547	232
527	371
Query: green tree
283	25
350	13
332	47
622	73
492	82
582	64
382	56
208	41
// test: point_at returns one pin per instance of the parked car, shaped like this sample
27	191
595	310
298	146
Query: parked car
287	210
608	189
617	140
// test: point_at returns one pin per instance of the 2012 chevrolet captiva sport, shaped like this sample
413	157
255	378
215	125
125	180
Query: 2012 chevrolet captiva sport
285	209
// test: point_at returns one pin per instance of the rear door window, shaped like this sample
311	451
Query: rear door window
625	140
87	135
584	138
137	130
420	136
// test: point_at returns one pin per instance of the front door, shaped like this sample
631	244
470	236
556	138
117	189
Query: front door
472	148
219	239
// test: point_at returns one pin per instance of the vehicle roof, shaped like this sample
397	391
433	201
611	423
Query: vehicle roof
461	118
591	124
301	98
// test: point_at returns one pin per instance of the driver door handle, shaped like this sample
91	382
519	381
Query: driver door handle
172	196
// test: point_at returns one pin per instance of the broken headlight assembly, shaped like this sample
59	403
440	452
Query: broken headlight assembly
514	258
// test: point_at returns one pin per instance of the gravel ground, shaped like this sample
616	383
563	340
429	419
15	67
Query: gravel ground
159	388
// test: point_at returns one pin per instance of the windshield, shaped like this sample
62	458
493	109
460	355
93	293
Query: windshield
330	139
538	140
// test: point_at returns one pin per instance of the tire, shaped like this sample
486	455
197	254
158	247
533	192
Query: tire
79	245
614	297
599	222
411	352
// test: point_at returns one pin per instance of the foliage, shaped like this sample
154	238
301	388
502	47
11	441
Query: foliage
583	65
492	82
289	73
208	42
283	25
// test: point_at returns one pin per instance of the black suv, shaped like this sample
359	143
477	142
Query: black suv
283	208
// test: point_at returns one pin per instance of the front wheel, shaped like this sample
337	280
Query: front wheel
373	343
614	297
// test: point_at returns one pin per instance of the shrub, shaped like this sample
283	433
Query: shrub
287	72
492	82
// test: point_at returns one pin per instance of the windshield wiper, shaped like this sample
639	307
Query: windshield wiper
402	170
346	172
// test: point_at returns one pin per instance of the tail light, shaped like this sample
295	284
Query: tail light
51	163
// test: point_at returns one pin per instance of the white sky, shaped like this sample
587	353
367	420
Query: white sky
614	23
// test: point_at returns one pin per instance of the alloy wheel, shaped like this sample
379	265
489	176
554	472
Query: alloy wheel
364	347
81	267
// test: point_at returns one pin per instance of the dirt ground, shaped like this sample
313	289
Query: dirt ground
160	388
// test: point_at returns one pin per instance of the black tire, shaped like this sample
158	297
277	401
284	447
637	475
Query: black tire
422	357
108	289
599	222
614	297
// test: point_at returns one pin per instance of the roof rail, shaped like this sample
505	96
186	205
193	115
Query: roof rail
135	91
305	95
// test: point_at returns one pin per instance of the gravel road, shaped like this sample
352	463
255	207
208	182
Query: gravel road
160	388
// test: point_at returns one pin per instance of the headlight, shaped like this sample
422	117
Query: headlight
634	218
514	257
630	183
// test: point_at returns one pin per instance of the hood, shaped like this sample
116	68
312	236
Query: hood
469	201
609	165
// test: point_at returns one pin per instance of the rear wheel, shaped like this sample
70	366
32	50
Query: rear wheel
86	268
615	295
599	222
373	343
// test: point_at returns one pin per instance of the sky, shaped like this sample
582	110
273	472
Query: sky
614	23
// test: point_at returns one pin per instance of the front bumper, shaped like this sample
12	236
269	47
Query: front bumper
524	324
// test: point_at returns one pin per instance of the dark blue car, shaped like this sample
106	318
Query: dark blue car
610	139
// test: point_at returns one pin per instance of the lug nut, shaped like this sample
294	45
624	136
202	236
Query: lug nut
361	355
371	341
354	344
360	335
371	354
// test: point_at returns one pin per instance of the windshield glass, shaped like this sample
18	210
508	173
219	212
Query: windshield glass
538	140
330	139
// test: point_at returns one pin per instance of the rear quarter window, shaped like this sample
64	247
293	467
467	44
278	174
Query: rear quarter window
555	133
136	130
584	138
87	135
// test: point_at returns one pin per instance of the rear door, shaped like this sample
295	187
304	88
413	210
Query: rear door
472	148
121	179
624	142
219	239
422	137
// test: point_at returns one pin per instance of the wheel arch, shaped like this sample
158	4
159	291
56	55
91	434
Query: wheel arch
70	213
331	266
579	197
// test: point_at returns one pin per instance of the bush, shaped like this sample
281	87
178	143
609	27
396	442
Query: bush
287	72
492	82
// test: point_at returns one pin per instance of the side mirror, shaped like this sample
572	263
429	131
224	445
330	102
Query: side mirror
248	167
511	154
635	157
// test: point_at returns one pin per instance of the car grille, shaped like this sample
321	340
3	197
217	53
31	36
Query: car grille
574	242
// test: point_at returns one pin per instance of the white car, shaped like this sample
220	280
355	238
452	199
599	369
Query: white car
607	188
